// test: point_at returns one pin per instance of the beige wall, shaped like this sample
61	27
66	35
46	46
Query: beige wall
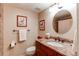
78	27
48	16
10	24
1	29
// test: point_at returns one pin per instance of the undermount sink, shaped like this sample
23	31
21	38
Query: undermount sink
52	43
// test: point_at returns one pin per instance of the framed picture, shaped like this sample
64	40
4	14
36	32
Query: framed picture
21	21
42	25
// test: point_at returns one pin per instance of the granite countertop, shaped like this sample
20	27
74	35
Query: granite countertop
65	50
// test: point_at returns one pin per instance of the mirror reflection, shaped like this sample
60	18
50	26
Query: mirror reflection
62	21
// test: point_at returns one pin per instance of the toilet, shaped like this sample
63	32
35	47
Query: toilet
30	50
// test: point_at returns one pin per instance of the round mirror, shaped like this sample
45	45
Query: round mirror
62	21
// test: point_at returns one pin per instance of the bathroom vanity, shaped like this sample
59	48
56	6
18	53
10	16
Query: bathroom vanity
43	50
48	47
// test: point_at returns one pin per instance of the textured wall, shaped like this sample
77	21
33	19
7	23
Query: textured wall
10	24
78	27
1	29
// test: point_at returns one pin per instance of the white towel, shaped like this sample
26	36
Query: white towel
22	35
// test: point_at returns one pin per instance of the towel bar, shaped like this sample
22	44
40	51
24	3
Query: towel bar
18	30
15	30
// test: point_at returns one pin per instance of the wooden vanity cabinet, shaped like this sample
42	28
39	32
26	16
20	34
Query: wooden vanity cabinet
42	50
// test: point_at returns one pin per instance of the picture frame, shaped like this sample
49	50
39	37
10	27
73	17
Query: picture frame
42	25
21	21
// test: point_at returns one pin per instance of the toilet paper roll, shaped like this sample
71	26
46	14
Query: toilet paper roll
13	43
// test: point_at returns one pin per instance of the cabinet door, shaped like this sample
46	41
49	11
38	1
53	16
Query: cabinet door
48	51
41	53
42	50
39	50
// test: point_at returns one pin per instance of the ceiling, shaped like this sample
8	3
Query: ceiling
36	7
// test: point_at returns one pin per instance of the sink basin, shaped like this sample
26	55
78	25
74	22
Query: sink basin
52	43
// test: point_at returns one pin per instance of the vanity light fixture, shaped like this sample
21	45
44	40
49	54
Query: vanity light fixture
59	6
51	7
